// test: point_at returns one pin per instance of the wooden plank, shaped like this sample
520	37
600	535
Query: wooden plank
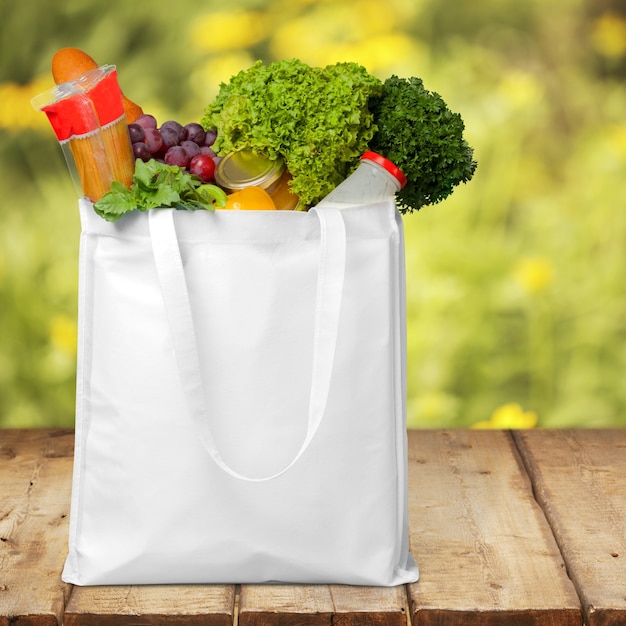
485	550
580	479
305	605
35	484
322	605
370	606
152	605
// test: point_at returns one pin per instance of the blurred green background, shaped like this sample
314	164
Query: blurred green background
515	284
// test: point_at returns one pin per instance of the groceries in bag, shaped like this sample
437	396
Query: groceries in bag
244	168
376	178
71	63
88	118
287	117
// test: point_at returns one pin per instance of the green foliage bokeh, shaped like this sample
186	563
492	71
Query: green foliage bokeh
515	289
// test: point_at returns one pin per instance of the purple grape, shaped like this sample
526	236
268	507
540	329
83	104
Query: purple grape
136	133
209	137
171	137
195	132
146	121
190	147
175	127
173	124
141	151
153	139
207	150
177	156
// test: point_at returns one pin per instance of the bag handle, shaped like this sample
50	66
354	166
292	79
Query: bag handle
331	271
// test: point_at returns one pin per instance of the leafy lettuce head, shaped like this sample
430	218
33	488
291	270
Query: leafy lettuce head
316	119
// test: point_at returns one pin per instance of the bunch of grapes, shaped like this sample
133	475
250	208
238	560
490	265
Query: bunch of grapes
188	147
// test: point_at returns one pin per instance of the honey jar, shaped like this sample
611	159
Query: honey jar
245	168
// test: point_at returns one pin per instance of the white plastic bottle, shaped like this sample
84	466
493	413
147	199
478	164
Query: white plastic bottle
376	178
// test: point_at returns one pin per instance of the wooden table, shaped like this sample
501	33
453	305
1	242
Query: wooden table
522	528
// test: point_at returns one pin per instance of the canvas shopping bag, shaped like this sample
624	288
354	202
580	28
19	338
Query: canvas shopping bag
240	399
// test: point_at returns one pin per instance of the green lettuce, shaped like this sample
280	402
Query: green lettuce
316	119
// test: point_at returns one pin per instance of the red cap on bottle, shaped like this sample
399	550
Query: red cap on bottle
393	169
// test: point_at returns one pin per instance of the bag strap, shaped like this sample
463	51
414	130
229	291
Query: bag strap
331	271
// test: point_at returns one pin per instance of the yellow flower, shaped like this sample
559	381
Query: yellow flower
617	138
63	334
218	69
509	416
377	54
534	274
356	31
16	110
229	30
609	35
521	89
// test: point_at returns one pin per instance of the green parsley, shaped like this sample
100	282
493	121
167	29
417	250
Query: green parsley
418	132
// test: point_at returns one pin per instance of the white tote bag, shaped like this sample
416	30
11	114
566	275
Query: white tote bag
241	399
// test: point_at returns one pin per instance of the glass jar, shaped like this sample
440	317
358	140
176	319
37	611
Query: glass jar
245	168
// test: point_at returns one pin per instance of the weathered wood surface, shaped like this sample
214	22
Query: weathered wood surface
579	478
35	477
486	553
152	605
322	605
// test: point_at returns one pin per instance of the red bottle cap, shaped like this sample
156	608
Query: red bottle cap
393	169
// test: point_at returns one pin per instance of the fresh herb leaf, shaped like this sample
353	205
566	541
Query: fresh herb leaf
419	133
116	202
157	185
